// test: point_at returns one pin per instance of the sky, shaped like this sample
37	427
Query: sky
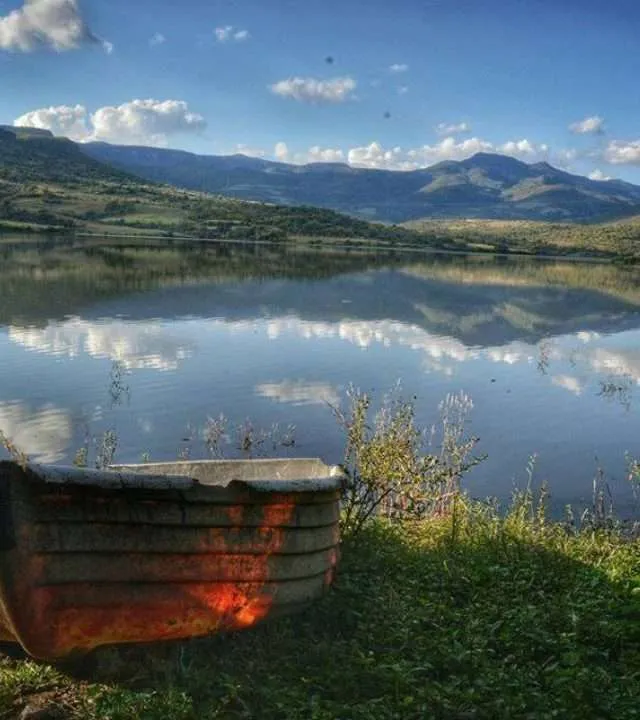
396	85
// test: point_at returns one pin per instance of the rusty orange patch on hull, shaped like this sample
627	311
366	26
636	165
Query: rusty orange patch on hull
79	574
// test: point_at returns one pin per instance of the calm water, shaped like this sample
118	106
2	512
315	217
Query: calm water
149	343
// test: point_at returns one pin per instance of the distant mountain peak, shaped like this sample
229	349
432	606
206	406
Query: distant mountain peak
487	185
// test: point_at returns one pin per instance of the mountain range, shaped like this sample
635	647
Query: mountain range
487	185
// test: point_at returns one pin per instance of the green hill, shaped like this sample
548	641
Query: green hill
28	157
49	183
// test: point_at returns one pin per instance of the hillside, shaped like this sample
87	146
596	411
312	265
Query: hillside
49	183
39	157
485	186
621	237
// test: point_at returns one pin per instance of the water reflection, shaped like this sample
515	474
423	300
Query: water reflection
42	433
549	351
299	392
135	345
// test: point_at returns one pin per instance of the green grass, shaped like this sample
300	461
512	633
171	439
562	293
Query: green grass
620	238
475	617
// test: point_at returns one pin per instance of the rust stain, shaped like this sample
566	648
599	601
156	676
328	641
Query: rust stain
52	626
54	619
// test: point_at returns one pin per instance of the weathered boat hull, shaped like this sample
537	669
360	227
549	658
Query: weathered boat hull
160	551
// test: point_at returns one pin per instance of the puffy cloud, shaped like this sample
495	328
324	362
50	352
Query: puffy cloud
143	122
70	121
281	152
623	153
51	23
315	154
524	149
228	32
597	174
108	47
157	39
149	121
398	68
453	128
43	434
376	156
300	392
593	125
313	90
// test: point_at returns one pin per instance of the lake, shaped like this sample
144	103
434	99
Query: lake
145	343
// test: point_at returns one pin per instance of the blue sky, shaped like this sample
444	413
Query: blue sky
410	83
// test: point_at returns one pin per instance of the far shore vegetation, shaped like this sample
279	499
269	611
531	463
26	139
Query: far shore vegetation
444	607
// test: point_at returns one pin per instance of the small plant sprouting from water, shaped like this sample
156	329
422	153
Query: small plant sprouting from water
544	357
105	446
119	389
618	389
248	440
215	435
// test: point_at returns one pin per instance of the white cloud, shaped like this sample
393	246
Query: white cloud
597	174
453	128
593	125
315	154
524	149
43	434
56	24
157	39
403	89
623	153
281	152
108	47
398	68
70	121
143	122
148	121
300	392
313	90
228	32
375	155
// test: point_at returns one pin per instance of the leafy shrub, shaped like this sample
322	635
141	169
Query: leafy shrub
391	465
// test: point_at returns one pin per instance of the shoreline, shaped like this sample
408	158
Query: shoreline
318	244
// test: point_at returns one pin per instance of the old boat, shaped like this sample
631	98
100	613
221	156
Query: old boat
161	551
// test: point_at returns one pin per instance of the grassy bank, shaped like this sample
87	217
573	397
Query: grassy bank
477	617
619	238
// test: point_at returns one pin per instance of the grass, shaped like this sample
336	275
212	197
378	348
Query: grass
619	238
477	617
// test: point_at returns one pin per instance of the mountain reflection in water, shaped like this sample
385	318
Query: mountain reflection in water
549	351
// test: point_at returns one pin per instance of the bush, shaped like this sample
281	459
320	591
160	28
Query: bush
392	469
